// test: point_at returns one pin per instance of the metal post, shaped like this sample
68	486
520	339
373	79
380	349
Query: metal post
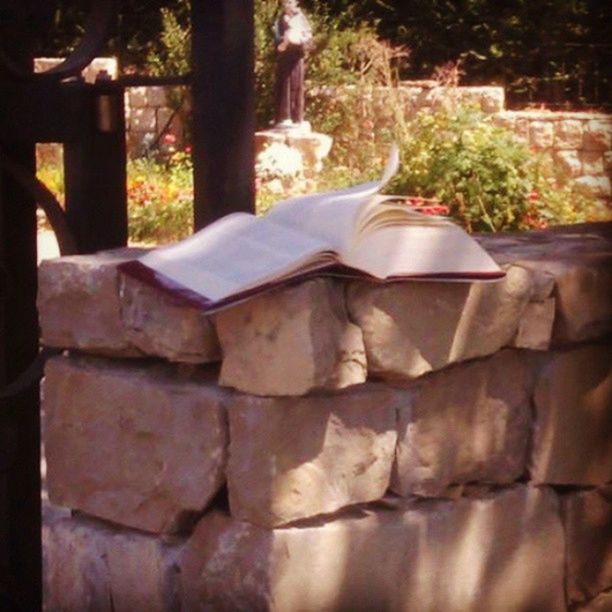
20	534
95	169
223	108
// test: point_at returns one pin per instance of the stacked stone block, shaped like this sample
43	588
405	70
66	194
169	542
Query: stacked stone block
578	143
148	114
334	445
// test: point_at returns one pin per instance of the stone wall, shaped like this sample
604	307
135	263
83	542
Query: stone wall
334	445
149	115
578	143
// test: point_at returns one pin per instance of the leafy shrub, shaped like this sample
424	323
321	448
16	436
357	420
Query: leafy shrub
490	180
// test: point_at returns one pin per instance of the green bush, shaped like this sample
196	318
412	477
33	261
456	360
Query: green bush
489	180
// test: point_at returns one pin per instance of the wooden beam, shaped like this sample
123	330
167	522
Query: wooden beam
223	108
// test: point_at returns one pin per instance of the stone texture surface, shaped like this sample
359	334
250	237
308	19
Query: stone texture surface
78	303
536	326
601	603
495	553
541	134
469	423
292	458
291	341
583	300
568	134
492	99
410	329
313	147
90	566
579	258
143	119
573	422
569	162
587	518
137	96
159	326
592	162
135	445
598	135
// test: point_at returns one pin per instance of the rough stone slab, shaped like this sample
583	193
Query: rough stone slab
592	162
313	147
536	326
497	553
569	163
158	326
573	422
492	99
541	134
156	96
291	341
568	134
469	423
141	446
587	518
292	458
410	329
78	303
143	119
90	566
579	258
137	96
601	603
598	135
583	299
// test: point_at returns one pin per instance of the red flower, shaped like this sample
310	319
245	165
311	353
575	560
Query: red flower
534	196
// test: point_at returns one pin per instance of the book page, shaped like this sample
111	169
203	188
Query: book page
236	253
402	250
333	216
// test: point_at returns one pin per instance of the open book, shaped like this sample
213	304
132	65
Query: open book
353	232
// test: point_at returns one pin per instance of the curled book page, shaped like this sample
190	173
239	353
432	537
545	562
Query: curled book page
353	232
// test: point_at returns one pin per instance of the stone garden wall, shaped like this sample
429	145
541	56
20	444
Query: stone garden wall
334	445
578	143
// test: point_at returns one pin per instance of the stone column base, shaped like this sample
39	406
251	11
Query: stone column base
313	147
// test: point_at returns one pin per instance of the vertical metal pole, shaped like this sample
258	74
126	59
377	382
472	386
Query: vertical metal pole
20	506
95	169
20	550
223	108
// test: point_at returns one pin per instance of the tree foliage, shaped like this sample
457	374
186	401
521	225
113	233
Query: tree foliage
551	50
541	50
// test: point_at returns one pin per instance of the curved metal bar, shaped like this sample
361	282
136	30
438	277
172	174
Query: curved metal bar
48	202
99	20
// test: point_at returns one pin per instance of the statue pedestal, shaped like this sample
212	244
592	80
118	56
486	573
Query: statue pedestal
312	147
